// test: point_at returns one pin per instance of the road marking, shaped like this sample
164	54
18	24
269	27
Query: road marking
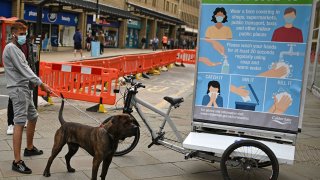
3	95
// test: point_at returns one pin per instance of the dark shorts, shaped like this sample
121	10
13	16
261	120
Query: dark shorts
77	46
164	44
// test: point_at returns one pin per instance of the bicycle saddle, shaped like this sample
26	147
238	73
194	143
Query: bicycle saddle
173	101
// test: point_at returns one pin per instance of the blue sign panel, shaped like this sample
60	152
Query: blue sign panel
5	8
61	18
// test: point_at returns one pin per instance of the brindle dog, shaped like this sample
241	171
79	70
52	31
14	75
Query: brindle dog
100	142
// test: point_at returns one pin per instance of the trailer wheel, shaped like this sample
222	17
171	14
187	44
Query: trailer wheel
244	160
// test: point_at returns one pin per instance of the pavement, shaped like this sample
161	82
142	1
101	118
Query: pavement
156	163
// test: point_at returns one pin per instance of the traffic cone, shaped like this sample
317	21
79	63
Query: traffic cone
50	100
102	109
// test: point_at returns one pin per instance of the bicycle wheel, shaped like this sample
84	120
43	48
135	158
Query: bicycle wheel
243	160
128	144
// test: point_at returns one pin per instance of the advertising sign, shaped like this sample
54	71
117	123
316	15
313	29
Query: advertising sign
251	62
61	18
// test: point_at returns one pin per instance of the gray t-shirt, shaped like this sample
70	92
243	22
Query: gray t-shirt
17	71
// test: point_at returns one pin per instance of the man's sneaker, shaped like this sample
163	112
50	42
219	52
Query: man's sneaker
10	130
21	167
34	151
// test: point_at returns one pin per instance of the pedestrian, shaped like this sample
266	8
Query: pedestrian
27	49
143	42
184	43
171	43
77	38
155	42
102	41
18	76
151	43
88	42
164	42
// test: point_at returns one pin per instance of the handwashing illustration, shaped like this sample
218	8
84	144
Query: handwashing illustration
282	68
225	65
282	101
246	105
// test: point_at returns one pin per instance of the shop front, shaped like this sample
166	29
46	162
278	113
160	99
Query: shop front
58	28
132	37
110	28
6	8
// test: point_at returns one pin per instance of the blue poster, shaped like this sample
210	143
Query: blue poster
250	64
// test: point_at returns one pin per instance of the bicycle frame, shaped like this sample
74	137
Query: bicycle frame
156	136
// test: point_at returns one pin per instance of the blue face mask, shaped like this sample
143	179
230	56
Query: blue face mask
219	19
22	39
289	20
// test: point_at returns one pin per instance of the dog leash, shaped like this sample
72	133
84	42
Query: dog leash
77	108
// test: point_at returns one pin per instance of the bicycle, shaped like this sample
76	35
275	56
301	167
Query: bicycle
245	155
130	101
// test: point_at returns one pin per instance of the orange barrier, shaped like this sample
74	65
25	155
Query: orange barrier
79	82
147	62
133	64
187	56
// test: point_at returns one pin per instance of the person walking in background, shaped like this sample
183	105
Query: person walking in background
102	41
18	76
150	43
155	42
88	42
77	38
171	43
27	49
143	42
164	42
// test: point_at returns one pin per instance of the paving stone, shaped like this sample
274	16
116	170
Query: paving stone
112	174
47	153
195	166
58	176
305	170
80	163
167	155
4	146
151	171
135	159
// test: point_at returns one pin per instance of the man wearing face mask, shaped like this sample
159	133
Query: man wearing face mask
27	50
288	33
19	75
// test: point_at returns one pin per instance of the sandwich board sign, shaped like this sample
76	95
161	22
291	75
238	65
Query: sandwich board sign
251	60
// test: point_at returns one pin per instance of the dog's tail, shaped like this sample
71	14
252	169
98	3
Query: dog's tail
61	120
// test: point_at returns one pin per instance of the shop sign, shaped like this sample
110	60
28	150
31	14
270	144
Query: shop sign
61	18
134	24
250	70
103	22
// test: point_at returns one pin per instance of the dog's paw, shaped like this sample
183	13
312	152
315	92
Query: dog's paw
71	170
46	174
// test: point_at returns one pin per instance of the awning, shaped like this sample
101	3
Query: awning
152	13
91	6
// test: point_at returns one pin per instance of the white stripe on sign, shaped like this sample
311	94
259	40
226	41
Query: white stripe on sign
66	68
3	95
85	70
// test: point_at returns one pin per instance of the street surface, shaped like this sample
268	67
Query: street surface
157	162
3	92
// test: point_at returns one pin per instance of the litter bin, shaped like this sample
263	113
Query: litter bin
95	48
248	106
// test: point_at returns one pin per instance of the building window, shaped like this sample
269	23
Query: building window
167	6
175	9
154	3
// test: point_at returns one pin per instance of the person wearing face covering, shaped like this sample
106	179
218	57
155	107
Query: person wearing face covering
18	76
288	33
219	31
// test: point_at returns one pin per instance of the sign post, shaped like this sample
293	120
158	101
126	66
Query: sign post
251	63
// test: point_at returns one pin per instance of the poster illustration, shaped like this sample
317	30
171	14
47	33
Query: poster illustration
251	62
